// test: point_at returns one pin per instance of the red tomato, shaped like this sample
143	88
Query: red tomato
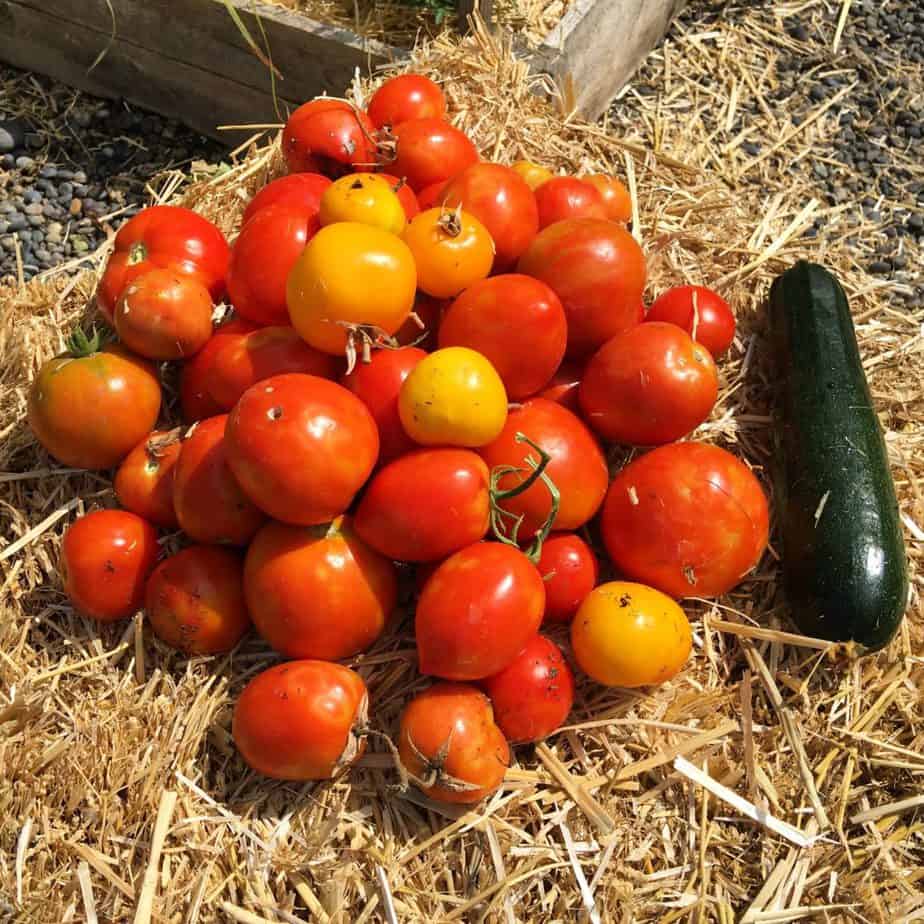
688	519
106	557
301	447
430	311
377	384
164	237
477	611
532	695
570	571
195	600
503	202
449	745
262	257
144	481
209	503
243	361
615	196
318	591
597	270
405	97
301	191
649	385
565	385
328	136
301	720
431	196
578	468
429	151
702	313
517	322
568	197
404	193
426	505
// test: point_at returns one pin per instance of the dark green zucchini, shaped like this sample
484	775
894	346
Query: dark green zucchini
843	555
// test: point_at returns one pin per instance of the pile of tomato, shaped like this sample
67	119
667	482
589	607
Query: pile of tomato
426	356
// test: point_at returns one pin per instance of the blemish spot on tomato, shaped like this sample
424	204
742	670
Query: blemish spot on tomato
274	413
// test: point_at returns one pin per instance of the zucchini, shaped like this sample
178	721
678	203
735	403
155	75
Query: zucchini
843	555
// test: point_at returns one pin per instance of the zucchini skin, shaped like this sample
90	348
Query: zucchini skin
843	553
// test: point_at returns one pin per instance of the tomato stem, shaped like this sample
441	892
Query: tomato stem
81	344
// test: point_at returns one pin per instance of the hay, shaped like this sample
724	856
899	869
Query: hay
94	741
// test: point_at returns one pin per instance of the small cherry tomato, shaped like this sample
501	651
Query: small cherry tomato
195	600
404	193
301	447
210	505
453	397
366	198
687	518
429	312
570	571
301	191
702	313
565	197
564	387
144	481
430	150
649	385
318	591
431	197
477	611
532	695
450	746
533	174
630	635
106	557
517	322
407	96
301	720
615	196
328	136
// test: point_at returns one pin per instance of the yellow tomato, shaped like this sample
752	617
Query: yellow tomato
534	175
630	635
364	197
451	248
453	397
350	275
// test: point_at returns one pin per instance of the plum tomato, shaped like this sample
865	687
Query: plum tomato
301	447
106	558
404	193
533	174
453	397
568	197
564	386
597	270
517	322
687	518
377	384
429	151
328	136
570	571
532	695
615	196
450	746
318	591
649	385
210	505
630	635
405	97
431	197
350	276
301	720
366	198
477	611
301	191
702	313
144	481
422	330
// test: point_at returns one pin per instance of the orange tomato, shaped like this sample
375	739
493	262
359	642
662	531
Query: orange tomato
615	196
534	175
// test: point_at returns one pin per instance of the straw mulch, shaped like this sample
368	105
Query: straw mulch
116	755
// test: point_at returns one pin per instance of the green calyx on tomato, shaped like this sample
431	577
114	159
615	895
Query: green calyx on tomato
137	253
81	344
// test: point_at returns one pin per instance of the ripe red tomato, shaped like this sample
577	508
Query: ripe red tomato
597	270
430	311
517	322
426	505
570	571
431	197
164	314
407	96
688	519
301	447
328	136
649	385
477	611
405	194
301	720
90	408
262	258
449	745
243	361
209	503
565	385
106	557
615	196
144	481
578	468
702	313
503	202
377	384
532	695
195	600
164	237
430	151
301	191
568	197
